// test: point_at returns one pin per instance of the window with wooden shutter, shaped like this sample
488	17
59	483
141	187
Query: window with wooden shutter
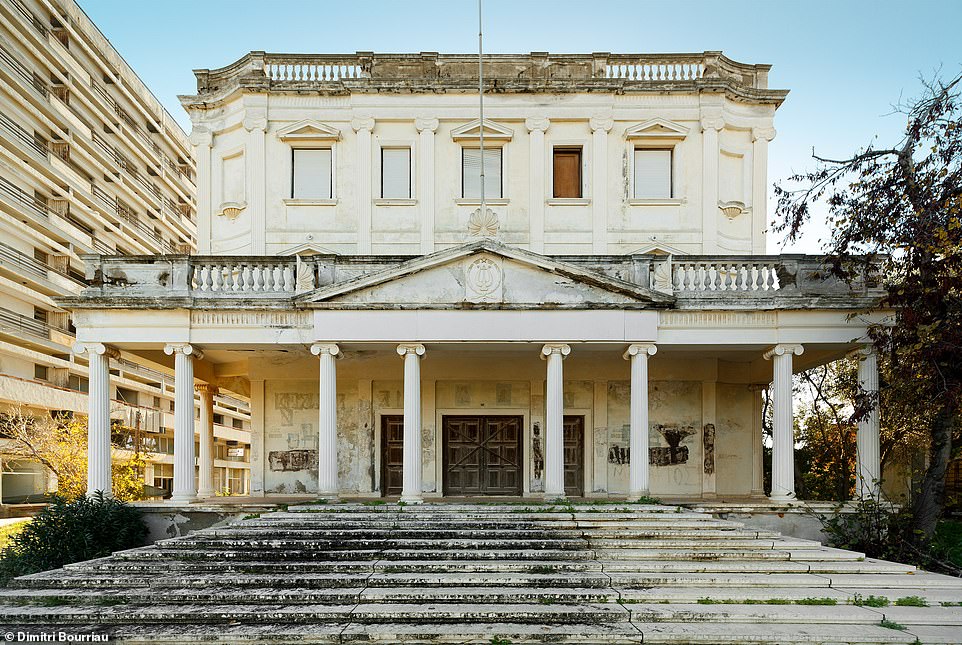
471	173
652	174
312	177
567	172
396	173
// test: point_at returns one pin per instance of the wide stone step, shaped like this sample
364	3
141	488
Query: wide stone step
417	613
240	531
794	613
308	555
703	544
361	544
713	633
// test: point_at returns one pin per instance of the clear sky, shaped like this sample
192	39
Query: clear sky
846	62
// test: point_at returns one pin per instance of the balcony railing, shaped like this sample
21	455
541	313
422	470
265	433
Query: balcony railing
23	137
22	198
27	76
31	265
19	325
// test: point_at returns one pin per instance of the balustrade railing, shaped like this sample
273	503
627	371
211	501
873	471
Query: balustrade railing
247	276
632	69
724	274
310	69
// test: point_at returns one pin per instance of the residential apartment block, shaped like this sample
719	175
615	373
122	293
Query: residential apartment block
90	162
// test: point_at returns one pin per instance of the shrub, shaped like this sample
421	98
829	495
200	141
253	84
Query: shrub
65	532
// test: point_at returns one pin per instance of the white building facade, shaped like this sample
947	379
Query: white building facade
90	162
604	325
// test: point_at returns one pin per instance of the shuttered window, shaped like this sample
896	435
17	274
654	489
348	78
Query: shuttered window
652	174
312	176
396	173
471	173
567	172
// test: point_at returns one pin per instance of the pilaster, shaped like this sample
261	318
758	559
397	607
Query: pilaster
760	140
363	126
425	195
255	122
536	181
600	125
711	124
202	138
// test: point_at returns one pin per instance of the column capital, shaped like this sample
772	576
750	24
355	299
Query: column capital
645	349
362	123
863	352
410	348
712	123
183	348
207	388
426	124
555	348
255	119
784	348
96	348
201	136
601	122
758	387
763	134
537	124
325	348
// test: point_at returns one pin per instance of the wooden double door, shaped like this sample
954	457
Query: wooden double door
482	455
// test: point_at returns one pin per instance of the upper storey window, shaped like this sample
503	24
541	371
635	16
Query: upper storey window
312	176
396	173
496	138
653	174
566	173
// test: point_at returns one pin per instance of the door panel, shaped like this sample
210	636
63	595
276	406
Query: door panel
574	455
392	454
482	455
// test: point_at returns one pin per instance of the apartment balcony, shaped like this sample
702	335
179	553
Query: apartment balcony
37	275
37	333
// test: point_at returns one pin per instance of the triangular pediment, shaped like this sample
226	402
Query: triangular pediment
485	274
308	248
657	129
658	249
472	131
307	131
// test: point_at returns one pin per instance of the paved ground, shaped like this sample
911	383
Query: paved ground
489	573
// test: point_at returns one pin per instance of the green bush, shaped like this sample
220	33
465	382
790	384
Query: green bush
65	532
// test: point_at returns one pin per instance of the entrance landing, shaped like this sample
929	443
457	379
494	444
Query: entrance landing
488	573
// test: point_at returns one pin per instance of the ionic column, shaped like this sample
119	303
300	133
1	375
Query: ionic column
98	415
327	420
711	124
205	461
255	122
758	467
783	448
363	127
201	138
638	354
554	465
426	129
536	181
185	488
867	440
600	125
760	139
411	486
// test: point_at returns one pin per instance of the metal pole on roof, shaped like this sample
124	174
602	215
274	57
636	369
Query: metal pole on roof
481	106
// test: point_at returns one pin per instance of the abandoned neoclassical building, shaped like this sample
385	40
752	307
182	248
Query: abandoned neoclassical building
601	321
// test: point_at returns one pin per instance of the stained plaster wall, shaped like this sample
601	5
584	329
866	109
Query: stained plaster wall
596	386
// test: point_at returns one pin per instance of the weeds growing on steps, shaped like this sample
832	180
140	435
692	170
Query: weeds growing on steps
870	601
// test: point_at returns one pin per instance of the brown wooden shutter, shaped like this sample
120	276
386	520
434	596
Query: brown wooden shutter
567	172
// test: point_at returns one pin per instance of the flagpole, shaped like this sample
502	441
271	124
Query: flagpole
481	108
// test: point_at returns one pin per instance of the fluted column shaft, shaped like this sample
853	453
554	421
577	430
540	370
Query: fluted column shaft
185	486
867	439
783	447
758	466
411	468
638	472
554	466
205	460
327	421
98	416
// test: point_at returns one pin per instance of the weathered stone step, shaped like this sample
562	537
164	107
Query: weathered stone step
793	613
737	594
705	544
361	544
309	555
713	633
240	531
370	613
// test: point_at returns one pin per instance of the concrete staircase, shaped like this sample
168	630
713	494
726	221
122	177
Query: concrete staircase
511	573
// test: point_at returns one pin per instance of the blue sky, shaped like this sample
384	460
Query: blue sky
846	61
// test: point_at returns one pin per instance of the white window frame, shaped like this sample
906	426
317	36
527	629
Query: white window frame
497	201
658	134
586	161
302	201
379	170
672	171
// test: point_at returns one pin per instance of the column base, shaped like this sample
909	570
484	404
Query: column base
203	494
636	495
411	499
550	497
785	497
328	494
182	499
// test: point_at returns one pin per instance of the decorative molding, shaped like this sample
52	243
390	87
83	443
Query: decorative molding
717	319
712	120
255	119
426	123
410	348
96	348
601	122
362	123
537	124
325	348
732	209
646	349
765	134
483	280
308	131
555	348
183	348
258	319
483	225
231	210
861	353
472	131
201	136
207	388
784	348
657	130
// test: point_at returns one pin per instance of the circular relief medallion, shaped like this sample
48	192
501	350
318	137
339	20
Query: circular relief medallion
484	277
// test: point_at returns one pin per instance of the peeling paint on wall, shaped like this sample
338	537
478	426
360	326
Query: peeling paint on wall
291	460
619	455
708	438
674	453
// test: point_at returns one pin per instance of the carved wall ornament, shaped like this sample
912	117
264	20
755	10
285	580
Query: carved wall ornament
661	278
483	224
484	279
732	209
231	210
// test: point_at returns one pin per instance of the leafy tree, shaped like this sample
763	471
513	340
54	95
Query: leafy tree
902	205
